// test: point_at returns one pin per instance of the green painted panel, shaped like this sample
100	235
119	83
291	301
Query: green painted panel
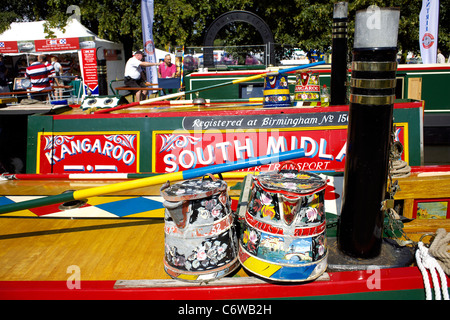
434	85
415	145
435	91
36	123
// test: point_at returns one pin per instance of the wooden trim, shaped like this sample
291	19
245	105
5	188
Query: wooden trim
172	283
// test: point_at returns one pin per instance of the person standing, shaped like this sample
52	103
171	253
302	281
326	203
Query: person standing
440	57
57	67
167	69
134	76
3	79
40	76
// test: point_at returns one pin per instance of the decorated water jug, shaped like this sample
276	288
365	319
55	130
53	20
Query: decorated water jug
201	243
284	232
307	89
276	91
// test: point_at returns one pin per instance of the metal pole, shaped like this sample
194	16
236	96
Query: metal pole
102	75
374	67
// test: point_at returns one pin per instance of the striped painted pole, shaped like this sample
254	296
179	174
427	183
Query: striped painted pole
179	94
101	176
159	179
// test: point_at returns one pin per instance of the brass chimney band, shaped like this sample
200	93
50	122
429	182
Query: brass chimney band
338	30
372	100
374	66
339	24
373	83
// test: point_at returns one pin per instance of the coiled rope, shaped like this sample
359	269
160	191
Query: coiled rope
400	169
439	249
428	263
397	167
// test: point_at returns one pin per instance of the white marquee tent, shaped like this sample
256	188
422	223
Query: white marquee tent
30	38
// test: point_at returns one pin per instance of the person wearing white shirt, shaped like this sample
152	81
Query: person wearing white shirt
134	76
440	57
57	66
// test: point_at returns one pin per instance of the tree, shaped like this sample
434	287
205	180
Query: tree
300	23
21	10
114	20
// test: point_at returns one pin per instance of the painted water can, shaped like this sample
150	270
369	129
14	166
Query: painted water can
201	243
307	89
284	230
276	91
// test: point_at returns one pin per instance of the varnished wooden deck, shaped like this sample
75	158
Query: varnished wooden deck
42	249
101	249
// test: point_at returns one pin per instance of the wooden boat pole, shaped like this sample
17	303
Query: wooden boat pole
160	179
179	94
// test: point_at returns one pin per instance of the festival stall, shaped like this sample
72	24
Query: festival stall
75	42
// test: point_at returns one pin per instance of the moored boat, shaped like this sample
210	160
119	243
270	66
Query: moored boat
118	252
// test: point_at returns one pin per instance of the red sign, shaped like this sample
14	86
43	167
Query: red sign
307	88
427	40
89	62
57	44
88	152
8	47
325	148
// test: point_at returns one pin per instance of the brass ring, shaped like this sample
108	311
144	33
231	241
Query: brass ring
339	30
339	35
372	100
373	83
374	66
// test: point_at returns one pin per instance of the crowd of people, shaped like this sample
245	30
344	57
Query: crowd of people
43	73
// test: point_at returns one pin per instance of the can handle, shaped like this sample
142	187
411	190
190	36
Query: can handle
165	186
292	163
172	205
212	177
178	211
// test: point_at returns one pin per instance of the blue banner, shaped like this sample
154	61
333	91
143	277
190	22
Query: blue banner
147	36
